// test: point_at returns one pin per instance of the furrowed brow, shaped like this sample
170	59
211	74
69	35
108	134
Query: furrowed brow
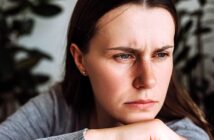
163	48
124	49
132	50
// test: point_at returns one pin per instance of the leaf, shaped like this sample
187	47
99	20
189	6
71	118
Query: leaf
15	0
202	2
46	10
187	26
4	31
203	30
6	71
14	48
191	63
178	1
40	78
40	54
179	40
24	80
23	27
34	56
44	1
3	22
182	35
28	81
27	64
6	63
197	13
182	55
182	13
16	9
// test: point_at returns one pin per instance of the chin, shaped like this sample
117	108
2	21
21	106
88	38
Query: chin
129	119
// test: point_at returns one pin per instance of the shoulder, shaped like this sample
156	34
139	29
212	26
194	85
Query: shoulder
47	104
53	106
42	116
186	128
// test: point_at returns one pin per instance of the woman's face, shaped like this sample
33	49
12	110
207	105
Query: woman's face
130	63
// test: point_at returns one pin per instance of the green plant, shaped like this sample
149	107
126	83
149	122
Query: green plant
190	57
17	81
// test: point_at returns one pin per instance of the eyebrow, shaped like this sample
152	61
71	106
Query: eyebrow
163	48
133	50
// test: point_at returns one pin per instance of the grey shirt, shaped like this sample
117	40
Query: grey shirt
47	116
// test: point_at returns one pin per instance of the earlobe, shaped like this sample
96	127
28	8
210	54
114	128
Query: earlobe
78	58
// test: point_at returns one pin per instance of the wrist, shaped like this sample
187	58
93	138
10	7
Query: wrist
98	134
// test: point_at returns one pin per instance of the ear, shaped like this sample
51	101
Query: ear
78	58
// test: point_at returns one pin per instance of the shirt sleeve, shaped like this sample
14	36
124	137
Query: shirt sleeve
188	129
33	120
78	135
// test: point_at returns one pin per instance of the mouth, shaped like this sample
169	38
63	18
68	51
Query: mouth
141	104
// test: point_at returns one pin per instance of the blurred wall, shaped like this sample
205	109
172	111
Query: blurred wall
208	39
49	35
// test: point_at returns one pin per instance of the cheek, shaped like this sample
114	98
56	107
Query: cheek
163	76
107	80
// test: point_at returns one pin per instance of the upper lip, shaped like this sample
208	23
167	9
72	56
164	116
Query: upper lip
141	101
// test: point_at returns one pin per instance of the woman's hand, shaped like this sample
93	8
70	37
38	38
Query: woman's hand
146	130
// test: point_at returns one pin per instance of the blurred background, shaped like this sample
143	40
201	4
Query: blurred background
33	40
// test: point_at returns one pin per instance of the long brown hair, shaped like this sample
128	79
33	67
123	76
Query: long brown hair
77	88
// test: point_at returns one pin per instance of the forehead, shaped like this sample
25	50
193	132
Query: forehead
130	10
136	23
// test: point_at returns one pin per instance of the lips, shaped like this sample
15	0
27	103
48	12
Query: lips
141	104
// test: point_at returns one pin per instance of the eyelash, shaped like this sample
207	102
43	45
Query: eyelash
124	56
163	55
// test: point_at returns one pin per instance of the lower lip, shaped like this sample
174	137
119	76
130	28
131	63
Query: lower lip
142	106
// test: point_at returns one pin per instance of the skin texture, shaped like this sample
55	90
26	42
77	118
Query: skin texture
129	64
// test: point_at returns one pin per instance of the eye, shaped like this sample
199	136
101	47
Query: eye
161	55
124	57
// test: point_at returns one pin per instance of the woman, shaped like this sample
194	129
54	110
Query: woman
119	81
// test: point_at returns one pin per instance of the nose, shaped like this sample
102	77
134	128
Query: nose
144	77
